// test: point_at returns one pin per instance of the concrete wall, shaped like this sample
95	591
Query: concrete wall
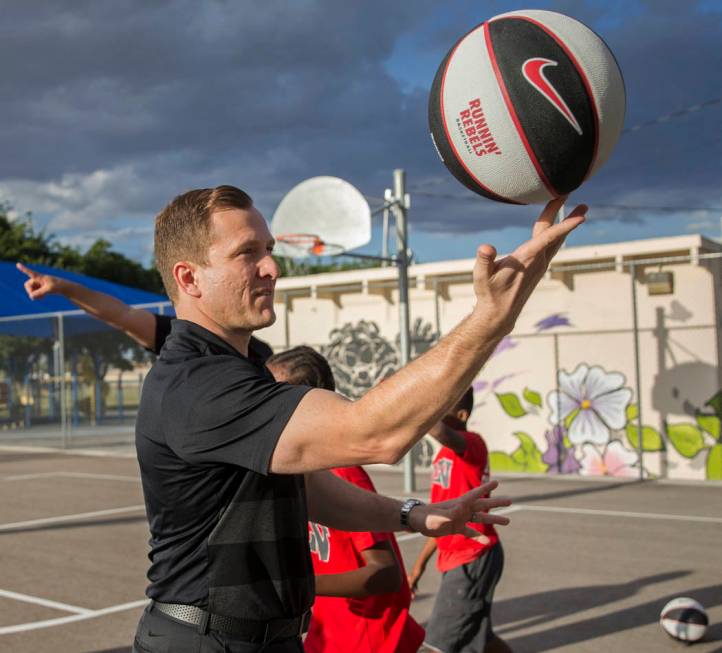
575	336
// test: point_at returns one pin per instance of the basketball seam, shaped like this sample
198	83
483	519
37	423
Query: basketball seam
512	113
585	81
446	129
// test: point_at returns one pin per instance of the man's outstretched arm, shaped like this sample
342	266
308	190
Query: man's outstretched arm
327	431
137	323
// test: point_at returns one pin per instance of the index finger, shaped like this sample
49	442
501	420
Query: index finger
552	235
26	270
548	215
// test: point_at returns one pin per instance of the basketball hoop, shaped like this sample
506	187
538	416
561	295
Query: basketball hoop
302	245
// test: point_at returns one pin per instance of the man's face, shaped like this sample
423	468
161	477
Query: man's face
238	281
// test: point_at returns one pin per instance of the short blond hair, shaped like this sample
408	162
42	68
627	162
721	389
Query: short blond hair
183	228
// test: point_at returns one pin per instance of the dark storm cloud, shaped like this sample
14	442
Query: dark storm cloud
111	108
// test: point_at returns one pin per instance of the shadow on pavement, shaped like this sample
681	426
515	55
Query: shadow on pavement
527	611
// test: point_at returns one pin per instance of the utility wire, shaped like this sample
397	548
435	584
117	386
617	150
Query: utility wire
619	207
675	114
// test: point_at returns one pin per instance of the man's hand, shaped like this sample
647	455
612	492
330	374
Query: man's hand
451	517
502	287
38	285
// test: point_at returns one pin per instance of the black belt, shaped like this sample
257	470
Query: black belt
247	629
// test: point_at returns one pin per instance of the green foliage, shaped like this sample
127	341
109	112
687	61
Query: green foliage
714	463
532	397
20	241
511	404
526	458
710	424
715	403
687	439
651	438
300	268
632	412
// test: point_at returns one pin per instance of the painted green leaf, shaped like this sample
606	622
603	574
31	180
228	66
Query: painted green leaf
632	412
714	463
567	442
709	423
503	462
511	404
715	403
570	418
651	438
530	456
686	438
532	397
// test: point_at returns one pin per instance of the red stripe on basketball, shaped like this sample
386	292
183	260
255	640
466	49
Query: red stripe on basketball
585	81
459	159
514	117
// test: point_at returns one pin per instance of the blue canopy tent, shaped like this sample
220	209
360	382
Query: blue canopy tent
19	315
52	319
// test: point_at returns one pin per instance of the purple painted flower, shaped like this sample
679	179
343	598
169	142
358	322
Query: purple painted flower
560	458
506	343
480	385
554	320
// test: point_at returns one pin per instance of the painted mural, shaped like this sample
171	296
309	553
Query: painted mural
586	425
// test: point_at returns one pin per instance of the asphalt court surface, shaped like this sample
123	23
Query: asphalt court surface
589	563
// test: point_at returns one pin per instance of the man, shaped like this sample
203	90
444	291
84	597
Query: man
471	567
230	459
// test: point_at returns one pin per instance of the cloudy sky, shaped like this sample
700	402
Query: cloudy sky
110	108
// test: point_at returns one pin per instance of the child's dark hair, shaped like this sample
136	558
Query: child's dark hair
467	401
304	366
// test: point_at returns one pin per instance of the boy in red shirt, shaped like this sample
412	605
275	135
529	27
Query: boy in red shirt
471	567
363	595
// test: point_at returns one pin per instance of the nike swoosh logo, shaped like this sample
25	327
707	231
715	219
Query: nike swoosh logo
533	71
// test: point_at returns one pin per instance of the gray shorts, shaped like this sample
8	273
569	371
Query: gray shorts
461	618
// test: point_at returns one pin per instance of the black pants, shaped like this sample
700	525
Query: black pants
160	633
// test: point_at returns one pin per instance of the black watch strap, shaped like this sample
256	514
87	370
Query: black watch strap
406	509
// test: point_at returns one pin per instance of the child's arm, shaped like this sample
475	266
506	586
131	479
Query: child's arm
448	437
138	323
421	561
381	574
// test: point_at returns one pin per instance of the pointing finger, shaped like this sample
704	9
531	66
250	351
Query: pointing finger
26	270
548	215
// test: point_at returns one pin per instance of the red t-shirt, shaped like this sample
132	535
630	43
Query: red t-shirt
377	624
452	476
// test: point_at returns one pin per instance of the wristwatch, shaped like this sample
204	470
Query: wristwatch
406	509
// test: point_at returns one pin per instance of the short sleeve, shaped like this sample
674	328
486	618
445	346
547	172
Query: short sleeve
475	449
223	409
357	476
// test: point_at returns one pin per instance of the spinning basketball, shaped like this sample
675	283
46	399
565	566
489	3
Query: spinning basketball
526	106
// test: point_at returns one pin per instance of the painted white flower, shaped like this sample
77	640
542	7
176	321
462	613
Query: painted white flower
615	460
590	403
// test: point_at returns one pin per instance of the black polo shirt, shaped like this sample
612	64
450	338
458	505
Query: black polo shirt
226	535
258	351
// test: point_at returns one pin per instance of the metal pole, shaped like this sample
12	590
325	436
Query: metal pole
402	263
635	318
558	426
61	365
385	237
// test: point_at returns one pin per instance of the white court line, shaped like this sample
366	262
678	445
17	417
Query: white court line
621	513
44	602
35	625
66	518
102	477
